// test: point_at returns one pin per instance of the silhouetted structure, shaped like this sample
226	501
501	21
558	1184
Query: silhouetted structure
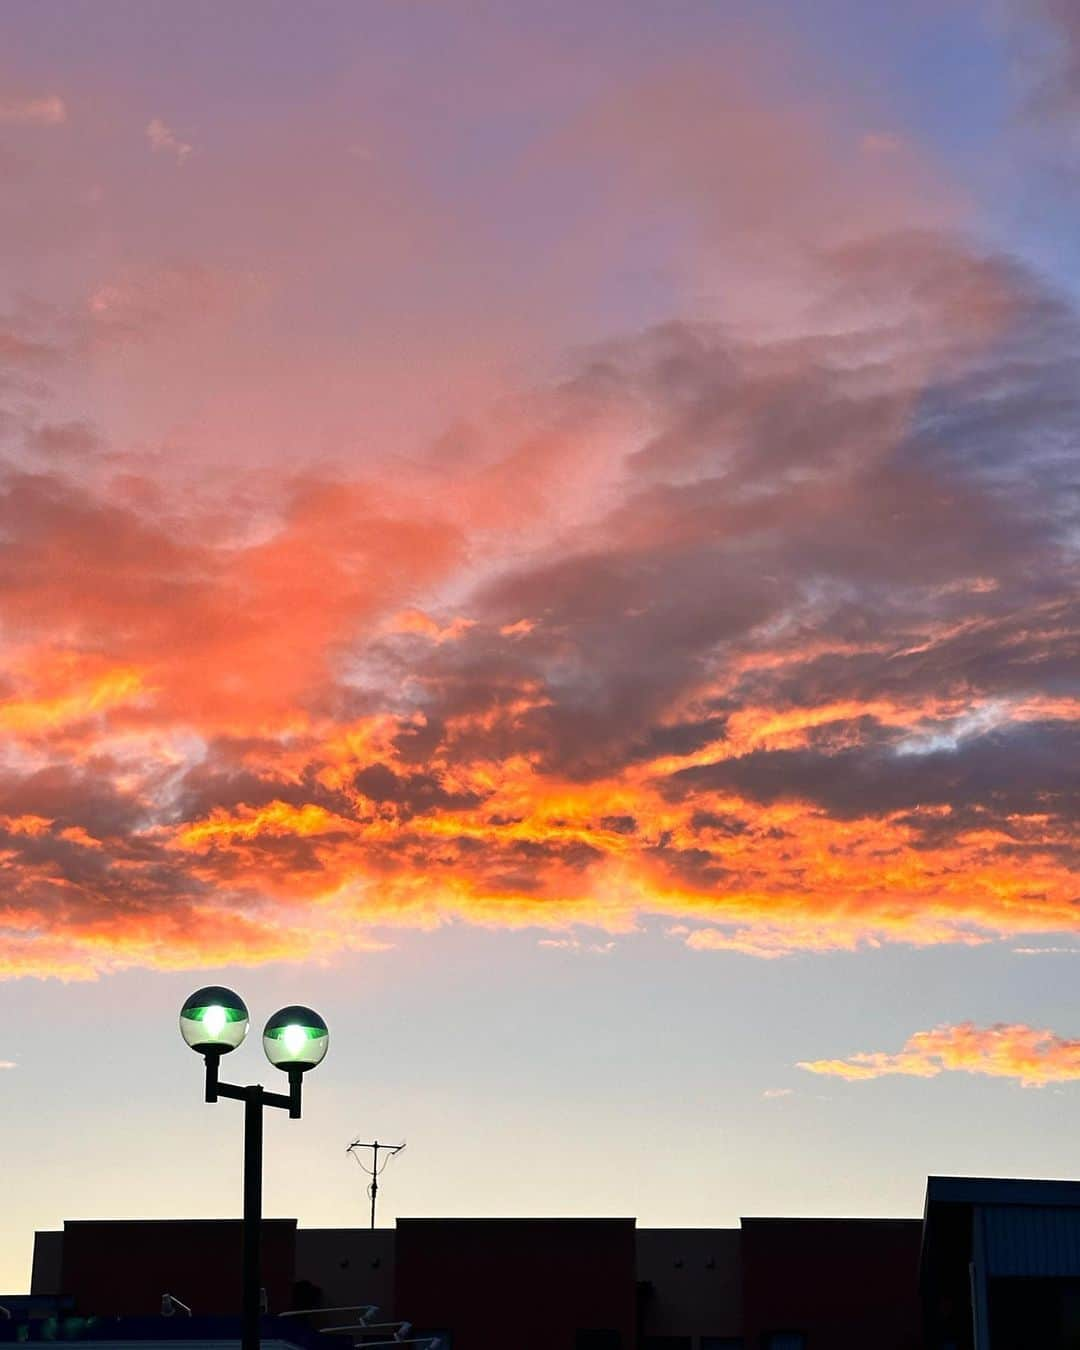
842	1283
1001	1264
994	1265
539	1284
122	1267
375	1171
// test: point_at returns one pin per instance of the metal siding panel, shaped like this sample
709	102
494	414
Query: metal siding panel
1031	1240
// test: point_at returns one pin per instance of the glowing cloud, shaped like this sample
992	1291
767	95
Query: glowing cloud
764	622
1030	1056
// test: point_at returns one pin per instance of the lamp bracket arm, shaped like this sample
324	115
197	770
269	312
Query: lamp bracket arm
239	1094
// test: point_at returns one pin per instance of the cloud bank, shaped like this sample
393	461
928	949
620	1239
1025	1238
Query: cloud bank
762	619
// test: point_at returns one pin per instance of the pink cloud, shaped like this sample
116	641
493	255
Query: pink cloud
163	140
48	110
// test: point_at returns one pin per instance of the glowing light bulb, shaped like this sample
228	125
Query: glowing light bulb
213	1020
295	1038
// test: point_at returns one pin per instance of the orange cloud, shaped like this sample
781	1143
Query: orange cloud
54	690
521	628
1030	1056
416	621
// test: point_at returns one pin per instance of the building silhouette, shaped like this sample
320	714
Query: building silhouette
993	1265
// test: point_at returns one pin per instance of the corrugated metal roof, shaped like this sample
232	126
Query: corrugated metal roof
1030	1240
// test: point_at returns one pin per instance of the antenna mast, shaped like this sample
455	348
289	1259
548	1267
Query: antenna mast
374	1171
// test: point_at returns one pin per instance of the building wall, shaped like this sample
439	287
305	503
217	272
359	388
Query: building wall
550	1284
45	1273
1001	1263
845	1283
348	1266
122	1267
690	1283
534	1284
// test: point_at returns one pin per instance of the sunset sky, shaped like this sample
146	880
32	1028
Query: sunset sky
551	533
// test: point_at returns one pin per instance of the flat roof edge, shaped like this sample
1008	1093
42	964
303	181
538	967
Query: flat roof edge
1001	1191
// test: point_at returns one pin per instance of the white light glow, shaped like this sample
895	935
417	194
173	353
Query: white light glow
295	1038
214	1019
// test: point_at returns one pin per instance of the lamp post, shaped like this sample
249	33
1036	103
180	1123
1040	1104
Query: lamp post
214	1021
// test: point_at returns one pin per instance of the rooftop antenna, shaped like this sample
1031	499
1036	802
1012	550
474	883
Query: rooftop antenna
375	1170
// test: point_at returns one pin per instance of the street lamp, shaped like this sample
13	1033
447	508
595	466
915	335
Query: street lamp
214	1021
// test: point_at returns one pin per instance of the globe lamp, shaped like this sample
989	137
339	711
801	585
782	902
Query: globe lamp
214	1020
295	1038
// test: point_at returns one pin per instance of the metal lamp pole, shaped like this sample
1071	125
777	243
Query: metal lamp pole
214	1021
